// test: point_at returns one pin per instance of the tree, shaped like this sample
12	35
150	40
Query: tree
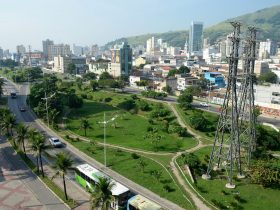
270	77
185	99
184	70
156	174
1	86
154	136
142	164
71	68
198	121
53	114
191	160
9	122
85	125
32	133
90	76
105	75
38	146
102	194
63	163
93	85
167	89
22	132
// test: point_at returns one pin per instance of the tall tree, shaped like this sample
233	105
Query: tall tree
9	123
22	132
85	125
32	134
63	163
1	86
39	145
102	194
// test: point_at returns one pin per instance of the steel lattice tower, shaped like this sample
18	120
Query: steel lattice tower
246	101
227	147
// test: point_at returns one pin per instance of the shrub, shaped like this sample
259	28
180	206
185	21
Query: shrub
143	105
107	99
135	156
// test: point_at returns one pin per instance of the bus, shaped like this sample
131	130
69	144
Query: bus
139	202
87	177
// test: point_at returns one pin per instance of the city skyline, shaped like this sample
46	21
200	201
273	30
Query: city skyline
90	22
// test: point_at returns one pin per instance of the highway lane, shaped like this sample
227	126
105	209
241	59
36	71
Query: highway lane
41	192
77	156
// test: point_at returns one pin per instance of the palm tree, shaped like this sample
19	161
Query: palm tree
9	122
102	194
63	163
38	146
85	125
32	134
22	132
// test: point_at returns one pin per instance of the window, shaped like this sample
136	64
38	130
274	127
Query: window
275	93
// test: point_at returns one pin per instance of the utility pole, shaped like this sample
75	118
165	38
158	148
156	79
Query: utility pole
47	109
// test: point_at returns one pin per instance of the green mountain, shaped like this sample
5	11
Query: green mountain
266	20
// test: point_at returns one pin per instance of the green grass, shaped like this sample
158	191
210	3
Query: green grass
252	196
129	132
123	163
211	118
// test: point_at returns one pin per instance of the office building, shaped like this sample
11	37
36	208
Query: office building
61	64
195	37
46	45
121	60
58	49
20	50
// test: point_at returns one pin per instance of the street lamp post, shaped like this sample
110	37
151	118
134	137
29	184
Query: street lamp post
104	122
47	109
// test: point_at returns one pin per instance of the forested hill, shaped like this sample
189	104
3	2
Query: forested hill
266	20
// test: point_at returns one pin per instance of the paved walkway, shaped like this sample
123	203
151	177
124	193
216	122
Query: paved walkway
19	187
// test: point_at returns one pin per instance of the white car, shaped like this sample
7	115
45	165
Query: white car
203	104
54	141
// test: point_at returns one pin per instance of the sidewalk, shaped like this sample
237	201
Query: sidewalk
19	187
74	191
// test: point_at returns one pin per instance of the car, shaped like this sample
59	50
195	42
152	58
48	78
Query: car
22	109
54	141
203	104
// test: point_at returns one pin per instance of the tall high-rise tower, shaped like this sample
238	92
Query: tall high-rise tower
195	37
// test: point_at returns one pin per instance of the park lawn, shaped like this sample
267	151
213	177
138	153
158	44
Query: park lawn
211	118
123	163
252	196
129	132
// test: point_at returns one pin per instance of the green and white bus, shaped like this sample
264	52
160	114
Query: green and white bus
87	176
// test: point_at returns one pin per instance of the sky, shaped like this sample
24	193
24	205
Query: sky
87	22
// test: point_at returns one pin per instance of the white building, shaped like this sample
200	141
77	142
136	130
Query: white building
267	49
184	82
150	47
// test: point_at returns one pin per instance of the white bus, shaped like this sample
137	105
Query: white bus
87	176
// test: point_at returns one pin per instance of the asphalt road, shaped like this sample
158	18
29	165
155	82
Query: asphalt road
211	108
77	156
41	192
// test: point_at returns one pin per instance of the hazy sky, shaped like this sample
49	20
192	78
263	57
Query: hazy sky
86	22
